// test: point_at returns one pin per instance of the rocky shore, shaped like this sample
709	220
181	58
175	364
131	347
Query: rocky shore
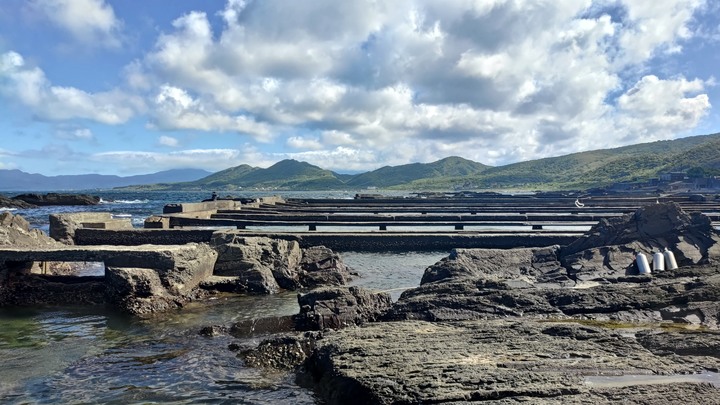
32	200
572	324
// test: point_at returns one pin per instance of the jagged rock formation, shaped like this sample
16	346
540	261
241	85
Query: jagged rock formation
264	266
335	308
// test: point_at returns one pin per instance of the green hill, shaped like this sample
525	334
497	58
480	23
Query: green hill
581	170
389	176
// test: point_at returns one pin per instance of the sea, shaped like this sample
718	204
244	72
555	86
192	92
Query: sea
89	355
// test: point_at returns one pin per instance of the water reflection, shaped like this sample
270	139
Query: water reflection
89	355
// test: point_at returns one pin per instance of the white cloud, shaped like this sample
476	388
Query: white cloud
176	109
91	22
658	109
300	142
169	141
500	81
29	86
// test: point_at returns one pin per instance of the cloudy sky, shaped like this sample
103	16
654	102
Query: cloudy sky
132	87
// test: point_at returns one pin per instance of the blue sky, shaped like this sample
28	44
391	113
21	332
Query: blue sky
130	87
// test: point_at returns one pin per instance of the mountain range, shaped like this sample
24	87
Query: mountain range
580	170
19	180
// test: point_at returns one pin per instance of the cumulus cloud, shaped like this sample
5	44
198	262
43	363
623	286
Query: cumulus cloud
656	109
29	86
90	22
493	81
176	109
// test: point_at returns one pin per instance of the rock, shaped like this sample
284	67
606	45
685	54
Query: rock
609	248
213	330
531	264
16	231
13	204
264	266
58	199
321	266
140	291
498	360
338	307
284	352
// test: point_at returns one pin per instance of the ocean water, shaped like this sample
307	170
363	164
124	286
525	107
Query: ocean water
90	355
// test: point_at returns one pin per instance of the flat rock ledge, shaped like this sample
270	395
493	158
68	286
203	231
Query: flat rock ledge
505	361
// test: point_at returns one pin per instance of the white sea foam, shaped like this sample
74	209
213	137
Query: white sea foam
131	201
7	209
122	215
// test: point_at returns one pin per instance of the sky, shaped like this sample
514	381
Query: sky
135	87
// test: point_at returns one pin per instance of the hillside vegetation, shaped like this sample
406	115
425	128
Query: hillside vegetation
578	170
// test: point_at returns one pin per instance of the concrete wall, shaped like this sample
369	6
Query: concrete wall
142	236
64	226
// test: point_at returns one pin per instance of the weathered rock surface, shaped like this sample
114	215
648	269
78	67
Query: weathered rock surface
141	291
609	248
15	231
339	307
321	266
507	361
58	199
261	265
264	266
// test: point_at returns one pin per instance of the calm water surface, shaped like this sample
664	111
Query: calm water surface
89	355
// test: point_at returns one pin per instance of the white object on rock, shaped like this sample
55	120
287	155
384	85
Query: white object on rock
670	259
642	263
658	261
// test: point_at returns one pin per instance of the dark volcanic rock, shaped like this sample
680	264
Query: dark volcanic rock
498	360
58	199
609	248
12	203
321	266
338	307
541	326
264	266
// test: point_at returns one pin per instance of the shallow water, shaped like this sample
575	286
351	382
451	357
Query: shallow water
88	355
